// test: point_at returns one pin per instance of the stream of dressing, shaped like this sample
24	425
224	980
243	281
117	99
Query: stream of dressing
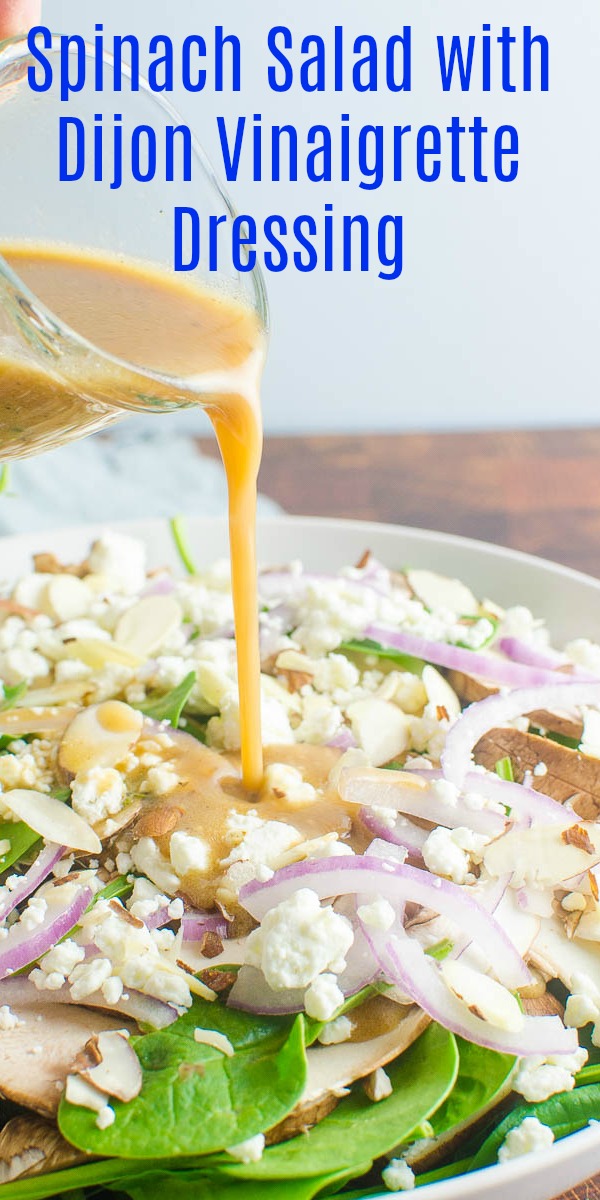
202	347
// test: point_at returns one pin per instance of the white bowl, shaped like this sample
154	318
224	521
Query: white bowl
570	602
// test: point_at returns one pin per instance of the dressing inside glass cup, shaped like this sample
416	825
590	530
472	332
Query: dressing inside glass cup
95	323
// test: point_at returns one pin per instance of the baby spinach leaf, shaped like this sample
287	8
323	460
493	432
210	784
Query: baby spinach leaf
195	1099
359	1130
180	539
197	1185
21	839
116	888
504	769
367	646
482	1075
169	707
564	1113
195	726
589	1074
12	694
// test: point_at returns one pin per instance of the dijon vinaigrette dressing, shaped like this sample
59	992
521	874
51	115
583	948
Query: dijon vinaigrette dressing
145	317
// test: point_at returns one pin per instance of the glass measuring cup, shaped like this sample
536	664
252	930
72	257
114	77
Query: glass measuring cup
58	383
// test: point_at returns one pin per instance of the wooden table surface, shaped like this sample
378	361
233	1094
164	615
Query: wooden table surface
538	492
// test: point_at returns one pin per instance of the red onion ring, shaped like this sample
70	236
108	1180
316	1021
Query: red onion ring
22	947
476	720
397	883
37	873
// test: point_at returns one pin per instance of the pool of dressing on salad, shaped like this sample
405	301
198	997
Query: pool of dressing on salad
147	317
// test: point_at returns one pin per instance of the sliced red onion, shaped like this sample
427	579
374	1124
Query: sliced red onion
161	586
531	656
397	883
195	924
37	873
344	739
251	992
404	963
476	720
156	920
525	802
24	946
377	786
457	658
404	832
146	1010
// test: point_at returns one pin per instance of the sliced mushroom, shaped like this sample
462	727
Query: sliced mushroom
100	735
37	1055
30	1145
332	1069
115	1067
144	627
570	774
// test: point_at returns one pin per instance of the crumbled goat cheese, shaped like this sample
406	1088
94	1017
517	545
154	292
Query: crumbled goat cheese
105	1117
63	958
88	977
583	1005
121	560
449	852
259	850
35	913
527	1138
8	1020
249	1151
584	654
540	770
288	785
378	915
98	793
539	1078
134	957
298	940
323	998
149	861
336	1031
380	1085
398	1177
160	780
188	853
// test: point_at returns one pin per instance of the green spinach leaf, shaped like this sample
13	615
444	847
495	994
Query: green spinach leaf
564	1113
482	1075
180	539
169	707
359	1130
21	839
197	1185
12	694
194	1099
367	646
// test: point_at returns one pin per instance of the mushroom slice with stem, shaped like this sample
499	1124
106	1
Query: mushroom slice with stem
37	1055
570	775
29	1145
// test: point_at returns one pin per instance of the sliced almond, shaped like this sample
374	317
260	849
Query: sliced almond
55	693
484	997
438	591
78	1091
100	735
146	625
96	653
19	721
52	819
30	591
118	1073
540	856
380	728
66	597
439	693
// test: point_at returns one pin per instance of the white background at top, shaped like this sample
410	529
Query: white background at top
494	321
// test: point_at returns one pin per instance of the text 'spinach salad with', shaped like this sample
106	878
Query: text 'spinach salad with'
383	969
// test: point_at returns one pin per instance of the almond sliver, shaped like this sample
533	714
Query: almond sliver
143	628
52	819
